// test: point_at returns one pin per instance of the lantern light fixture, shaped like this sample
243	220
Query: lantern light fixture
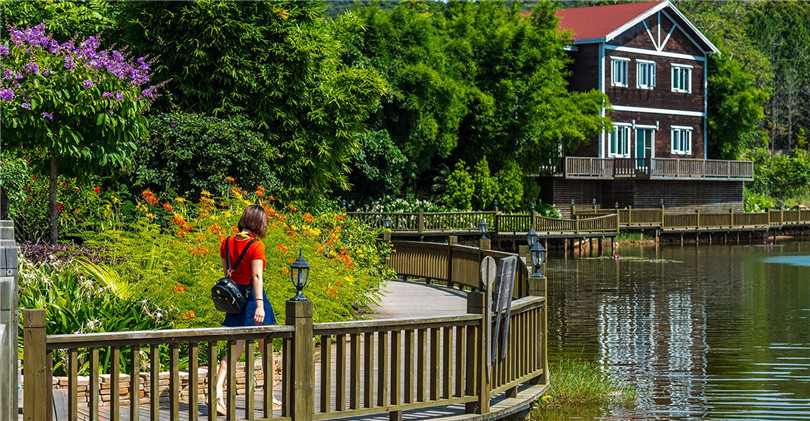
538	253
299	274
482	227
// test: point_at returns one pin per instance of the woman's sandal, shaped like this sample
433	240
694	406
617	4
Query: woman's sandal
221	409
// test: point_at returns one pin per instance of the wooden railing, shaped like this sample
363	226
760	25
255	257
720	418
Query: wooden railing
450	263
587	167
369	367
587	220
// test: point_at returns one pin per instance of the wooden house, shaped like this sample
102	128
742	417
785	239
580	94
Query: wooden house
651	62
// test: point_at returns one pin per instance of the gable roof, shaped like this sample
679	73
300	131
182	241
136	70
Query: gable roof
603	23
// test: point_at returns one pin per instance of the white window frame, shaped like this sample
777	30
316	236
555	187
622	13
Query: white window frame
619	147
645	67
619	71
686	82
681	140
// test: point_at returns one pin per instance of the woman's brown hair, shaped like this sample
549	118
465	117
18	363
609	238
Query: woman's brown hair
254	219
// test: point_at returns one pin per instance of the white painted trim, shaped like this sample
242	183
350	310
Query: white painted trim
655	44
689	66
625	126
636	20
658	111
589	41
601	84
658	30
622	49
671	30
646	126
705	110
570	48
682	127
652	83
626	74
686	34
676	67
712	47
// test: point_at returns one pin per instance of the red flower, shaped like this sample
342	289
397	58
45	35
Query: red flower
97	189
166	206
59	207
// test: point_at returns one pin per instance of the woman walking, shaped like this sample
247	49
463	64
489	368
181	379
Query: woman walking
248	277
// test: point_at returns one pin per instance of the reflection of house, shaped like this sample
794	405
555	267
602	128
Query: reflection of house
651	62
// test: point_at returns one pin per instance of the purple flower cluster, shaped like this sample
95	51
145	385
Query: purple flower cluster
4	50
86	53
6	94
47	115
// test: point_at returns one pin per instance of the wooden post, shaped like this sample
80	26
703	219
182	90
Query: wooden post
451	241
731	217
538	288
629	215
302	401
662	216
421	222
477	379
495	224
523	254
8	322
697	222
36	367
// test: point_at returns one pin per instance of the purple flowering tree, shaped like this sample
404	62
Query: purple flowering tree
81	103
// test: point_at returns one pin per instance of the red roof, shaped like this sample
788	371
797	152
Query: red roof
599	21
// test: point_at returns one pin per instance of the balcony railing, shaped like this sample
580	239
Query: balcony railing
658	168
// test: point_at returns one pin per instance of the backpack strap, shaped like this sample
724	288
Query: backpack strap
241	255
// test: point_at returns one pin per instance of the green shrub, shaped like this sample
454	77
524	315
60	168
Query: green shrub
460	188
486	187
188	153
577	382
510	187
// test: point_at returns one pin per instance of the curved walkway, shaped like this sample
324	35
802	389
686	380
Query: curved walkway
403	299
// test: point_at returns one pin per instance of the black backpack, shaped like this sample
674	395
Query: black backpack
225	293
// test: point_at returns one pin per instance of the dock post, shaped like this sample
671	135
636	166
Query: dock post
451	241
657	236
36	381
600	246
8	323
477	378
302	401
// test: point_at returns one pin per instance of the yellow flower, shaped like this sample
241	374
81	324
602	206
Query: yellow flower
205	193
150	215
226	214
179	199
116	200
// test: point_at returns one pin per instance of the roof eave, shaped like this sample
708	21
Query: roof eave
712	47
620	30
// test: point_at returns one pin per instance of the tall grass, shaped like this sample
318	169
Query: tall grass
633	236
582	384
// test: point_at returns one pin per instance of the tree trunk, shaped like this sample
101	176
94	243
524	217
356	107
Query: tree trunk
52	195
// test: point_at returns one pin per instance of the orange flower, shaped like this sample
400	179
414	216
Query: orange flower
168	207
293	208
282	248
272	199
307	217
189	314
229	179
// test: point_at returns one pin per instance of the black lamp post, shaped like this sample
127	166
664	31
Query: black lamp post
573	203
780	205
482	227
495	203
531	237
538	253
594	202
662	202
387	222
299	274
616	207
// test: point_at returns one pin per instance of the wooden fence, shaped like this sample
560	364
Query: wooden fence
365	367
586	221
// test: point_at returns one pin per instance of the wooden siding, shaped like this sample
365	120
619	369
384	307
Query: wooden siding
637	37
584	68
661	96
704	195
663	136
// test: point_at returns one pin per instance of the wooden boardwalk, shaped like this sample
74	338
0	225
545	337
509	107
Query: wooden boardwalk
401	300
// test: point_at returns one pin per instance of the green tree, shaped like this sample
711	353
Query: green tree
188	153
510	187
62	18
460	188
83	105
486	187
276	63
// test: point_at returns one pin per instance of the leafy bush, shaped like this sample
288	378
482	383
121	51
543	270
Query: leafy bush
399	204
77	303
486	187
171	254
460	188
187	153
79	202
510	187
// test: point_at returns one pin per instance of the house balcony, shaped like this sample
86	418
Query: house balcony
576	167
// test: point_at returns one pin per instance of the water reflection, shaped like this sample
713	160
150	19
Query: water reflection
713	332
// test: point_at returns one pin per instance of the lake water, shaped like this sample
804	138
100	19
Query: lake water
703	332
